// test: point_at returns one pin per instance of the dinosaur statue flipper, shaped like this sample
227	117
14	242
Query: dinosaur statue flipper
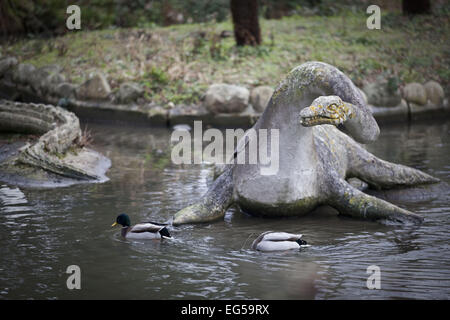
381	174
352	202
212	205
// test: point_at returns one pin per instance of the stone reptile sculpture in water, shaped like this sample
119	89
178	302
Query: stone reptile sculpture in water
56	158
321	116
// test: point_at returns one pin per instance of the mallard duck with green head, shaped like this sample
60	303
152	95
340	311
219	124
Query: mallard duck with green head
146	230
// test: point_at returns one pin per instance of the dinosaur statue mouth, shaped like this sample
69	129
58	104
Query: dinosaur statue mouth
309	121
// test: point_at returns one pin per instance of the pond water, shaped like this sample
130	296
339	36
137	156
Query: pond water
46	230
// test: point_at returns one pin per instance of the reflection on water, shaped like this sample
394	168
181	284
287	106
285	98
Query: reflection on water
44	231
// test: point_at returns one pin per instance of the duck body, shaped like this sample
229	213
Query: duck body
147	230
278	241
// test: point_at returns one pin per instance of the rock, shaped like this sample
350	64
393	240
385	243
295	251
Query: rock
187	114
415	93
391	114
6	64
64	90
226	98
95	88
45	78
226	120
260	97
51	82
50	69
55	79
434	91
383	92
431	111
158	115
129	92
24	73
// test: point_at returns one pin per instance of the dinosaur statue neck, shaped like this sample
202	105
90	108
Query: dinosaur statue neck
309	81
356	127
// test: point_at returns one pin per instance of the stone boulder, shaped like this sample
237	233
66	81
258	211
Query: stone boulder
95	88
55	79
6	64
415	93
50	69
157	114
46	78
384	92
64	90
129	92
226	98
435	93
24	73
260	97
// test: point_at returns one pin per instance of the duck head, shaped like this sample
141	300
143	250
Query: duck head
122	219
302	242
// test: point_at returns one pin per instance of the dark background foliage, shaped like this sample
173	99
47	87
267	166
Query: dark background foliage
49	16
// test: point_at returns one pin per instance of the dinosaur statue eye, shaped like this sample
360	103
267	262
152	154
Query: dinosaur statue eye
332	107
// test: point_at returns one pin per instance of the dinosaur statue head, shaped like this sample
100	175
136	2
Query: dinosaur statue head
325	110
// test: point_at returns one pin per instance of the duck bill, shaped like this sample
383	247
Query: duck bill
114	224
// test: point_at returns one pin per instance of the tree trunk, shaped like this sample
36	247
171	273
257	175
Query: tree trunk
245	21
416	6
11	21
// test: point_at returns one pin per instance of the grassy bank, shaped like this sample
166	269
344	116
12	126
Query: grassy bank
176	64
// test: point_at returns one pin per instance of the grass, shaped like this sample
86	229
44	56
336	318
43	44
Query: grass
177	63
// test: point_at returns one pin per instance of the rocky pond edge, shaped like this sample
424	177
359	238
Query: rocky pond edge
223	105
